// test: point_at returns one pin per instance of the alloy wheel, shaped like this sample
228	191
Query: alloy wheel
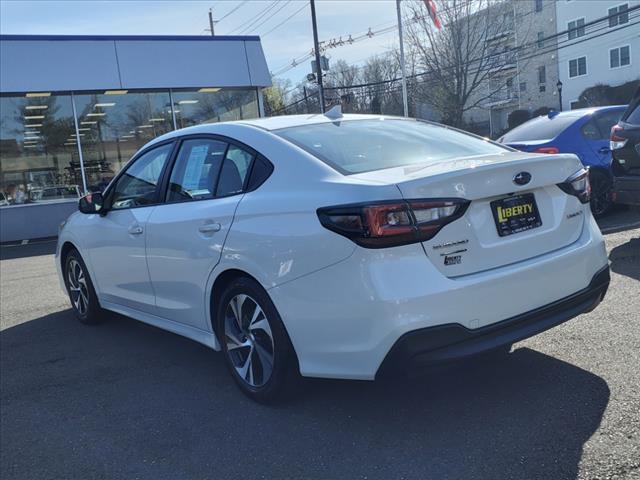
78	287
249	340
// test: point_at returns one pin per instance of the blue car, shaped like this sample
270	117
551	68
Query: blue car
585	132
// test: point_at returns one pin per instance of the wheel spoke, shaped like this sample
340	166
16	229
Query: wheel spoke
262	324
266	360
245	367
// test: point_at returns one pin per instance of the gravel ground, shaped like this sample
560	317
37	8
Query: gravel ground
125	400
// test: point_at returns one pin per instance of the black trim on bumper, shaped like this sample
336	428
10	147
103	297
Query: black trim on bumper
626	190
453	341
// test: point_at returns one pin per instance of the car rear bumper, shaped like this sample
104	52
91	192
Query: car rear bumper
453	341
344	320
626	190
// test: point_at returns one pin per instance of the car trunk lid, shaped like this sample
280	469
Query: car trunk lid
472	243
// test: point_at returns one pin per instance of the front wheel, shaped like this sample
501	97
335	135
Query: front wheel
84	300
254	342
600	193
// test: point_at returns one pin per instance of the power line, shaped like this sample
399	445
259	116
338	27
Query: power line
233	10
257	15
260	17
275	12
286	19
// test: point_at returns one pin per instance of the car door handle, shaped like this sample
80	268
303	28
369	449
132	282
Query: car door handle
604	150
209	228
135	230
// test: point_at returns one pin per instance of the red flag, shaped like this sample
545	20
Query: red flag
431	8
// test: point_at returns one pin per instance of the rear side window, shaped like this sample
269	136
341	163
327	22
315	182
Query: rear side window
539	129
235	169
634	116
196	170
358	146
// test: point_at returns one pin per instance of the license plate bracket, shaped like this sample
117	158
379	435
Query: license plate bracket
515	214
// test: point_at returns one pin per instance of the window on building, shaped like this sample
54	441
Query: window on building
575	28
39	160
537	5
196	170
577	67
619	15
542	74
540	39
210	105
523	86
619	57
114	126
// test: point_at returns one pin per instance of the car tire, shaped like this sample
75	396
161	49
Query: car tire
254	341
84	301
600	193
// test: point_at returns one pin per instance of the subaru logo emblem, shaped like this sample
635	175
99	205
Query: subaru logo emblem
522	178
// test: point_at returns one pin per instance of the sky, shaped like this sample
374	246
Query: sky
293	39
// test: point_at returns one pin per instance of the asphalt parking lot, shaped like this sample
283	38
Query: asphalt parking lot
125	400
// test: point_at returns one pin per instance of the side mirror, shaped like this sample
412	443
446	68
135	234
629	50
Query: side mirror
91	203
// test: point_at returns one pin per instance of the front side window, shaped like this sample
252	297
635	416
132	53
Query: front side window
575	28
619	15
136	187
196	170
619	57
359	146
577	67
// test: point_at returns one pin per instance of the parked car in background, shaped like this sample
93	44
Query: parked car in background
338	246
57	192
584	132
625	145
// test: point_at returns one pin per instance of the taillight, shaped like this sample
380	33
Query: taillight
578	185
616	141
392	223
547	150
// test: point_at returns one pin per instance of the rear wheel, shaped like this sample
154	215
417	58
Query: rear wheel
82	295
255	344
600	193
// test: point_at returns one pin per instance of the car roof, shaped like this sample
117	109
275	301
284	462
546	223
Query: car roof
267	123
581	112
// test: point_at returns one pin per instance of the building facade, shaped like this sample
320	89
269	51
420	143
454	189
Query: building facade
525	71
73	110
608	54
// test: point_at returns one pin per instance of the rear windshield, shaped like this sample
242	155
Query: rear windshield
358	146
541	128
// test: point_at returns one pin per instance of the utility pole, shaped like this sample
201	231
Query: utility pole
211	22
316	49
405	100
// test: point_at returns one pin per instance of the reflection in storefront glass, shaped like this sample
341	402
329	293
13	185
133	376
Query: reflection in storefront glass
39	159
37	163
210	105
113	127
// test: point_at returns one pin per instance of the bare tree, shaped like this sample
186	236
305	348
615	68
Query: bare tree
461	61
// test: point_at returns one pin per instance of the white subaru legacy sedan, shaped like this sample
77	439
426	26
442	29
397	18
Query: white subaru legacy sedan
339	246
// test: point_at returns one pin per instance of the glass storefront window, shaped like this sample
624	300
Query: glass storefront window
210	105
39	159
36	158
113	127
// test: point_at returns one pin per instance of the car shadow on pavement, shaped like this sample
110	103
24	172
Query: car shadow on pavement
125	400
625	259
